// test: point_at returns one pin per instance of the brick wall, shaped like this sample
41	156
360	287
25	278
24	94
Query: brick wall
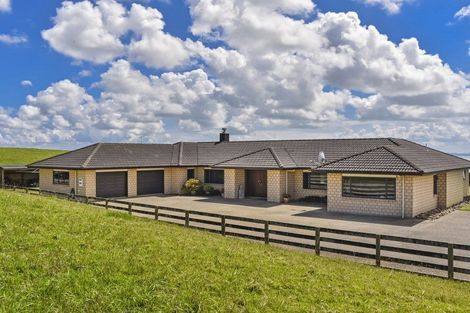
175	177
454	191
89	183
276	185
298	187
423	194
46	181
233	179
132	183
338	203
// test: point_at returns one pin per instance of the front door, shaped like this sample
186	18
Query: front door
256	183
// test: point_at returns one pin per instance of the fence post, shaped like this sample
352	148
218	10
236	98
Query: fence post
87	200
377	250
266	232
130	208
156	213
317	241
222	224
186	219
450	260
106	204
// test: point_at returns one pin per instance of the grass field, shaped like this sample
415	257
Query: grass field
58	256
25	155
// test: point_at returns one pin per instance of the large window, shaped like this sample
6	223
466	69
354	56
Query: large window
213	176
61	178
315	181
369	187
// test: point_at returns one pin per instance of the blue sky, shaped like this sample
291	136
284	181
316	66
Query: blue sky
203	96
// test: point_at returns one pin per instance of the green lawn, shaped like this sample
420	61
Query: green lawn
25	155
58	256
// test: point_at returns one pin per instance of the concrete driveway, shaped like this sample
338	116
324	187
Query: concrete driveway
454	227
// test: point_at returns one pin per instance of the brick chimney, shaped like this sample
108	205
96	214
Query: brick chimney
224	136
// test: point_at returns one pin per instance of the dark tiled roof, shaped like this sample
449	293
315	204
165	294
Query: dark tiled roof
259	159
378	160
382	155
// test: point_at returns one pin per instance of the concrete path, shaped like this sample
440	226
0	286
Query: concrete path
454	227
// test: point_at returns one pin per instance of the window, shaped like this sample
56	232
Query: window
435	184
214	176
60	178
369	187
315	181
190	173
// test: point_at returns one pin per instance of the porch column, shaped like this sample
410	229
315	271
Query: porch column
276	185
233	179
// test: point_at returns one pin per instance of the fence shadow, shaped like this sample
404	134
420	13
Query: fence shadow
393	221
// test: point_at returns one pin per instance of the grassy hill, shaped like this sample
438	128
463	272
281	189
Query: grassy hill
25	155
58	256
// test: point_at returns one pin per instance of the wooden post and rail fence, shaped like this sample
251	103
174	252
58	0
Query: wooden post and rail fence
454	258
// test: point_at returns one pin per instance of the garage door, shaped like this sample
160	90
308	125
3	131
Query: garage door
149	182
111	185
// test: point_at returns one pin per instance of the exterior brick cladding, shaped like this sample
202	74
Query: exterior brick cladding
175	177
233	179
455	182
298	187
424	198
132	183
88	178
338	203
276	185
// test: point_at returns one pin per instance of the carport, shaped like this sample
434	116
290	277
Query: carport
18	175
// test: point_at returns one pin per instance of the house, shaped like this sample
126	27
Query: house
379	176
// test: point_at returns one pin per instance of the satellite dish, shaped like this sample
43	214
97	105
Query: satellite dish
321	157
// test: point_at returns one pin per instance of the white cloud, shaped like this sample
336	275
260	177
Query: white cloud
12	40
5	5
391	6
273	75
89	32
26	83
85	73
463	12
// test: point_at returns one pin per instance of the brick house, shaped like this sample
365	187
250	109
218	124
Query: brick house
379	176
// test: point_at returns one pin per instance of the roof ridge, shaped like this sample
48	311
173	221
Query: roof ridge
62	154
276	158
244	155
92	154
403	159
180	155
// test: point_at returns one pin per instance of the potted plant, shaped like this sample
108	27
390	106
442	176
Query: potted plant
285	197
208	189
193	185
222	191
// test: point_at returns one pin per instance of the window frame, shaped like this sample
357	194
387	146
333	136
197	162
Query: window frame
188	176
392	181
209	177
307	181
435	189
60	181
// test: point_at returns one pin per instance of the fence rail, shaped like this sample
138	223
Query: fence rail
417	253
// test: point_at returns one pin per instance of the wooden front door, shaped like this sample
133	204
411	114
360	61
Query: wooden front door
256	183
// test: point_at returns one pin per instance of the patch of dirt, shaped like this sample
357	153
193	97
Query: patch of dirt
438	213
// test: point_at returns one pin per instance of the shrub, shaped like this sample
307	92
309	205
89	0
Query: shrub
184	190
208	189
193	185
